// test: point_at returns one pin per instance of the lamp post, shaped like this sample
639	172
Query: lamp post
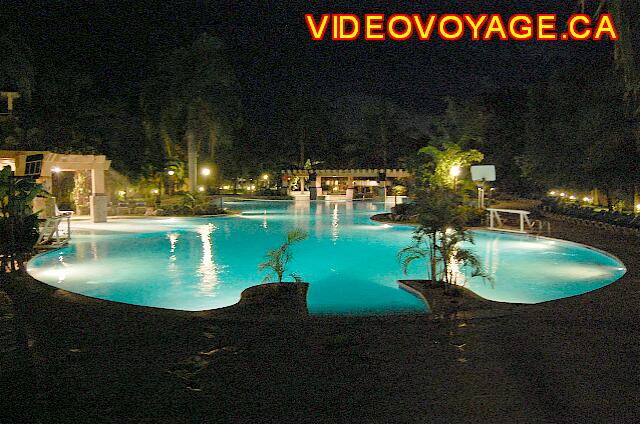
170	174
156	193
455	173
205	172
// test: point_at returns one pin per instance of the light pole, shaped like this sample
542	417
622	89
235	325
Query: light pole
170	174
205	172
455	173
156	193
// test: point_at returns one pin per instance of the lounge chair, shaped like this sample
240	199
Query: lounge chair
58	212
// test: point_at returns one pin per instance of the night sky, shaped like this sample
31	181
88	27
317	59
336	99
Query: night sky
118	42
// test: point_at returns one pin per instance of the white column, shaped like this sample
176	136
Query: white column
98	199
350	188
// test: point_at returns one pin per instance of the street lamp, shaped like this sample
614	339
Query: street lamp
205	172
265	179
56	169
455	173
171	172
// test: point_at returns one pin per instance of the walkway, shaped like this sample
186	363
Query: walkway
573	360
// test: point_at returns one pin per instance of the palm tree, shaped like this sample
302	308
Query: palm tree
16	69
439	236
626	16
277	259
437	170
192	103
19	229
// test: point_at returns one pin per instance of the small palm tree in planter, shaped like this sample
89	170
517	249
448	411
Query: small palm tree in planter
438	238
277	259
280	297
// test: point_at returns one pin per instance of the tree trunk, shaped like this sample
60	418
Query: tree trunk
303	137
434	277
383	139
607	193
192	157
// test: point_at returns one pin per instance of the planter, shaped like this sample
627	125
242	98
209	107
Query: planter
440	302
276	299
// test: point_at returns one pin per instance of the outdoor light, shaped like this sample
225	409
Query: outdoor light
201	188
205	172
265	177
563	194
56	169
253	187
225	187
553	193
455	171
572	197
122	193
586	199
155	191
171	172
638	207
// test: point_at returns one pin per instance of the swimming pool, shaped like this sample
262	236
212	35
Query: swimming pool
350	261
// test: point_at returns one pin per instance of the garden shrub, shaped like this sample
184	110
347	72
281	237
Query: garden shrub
576	211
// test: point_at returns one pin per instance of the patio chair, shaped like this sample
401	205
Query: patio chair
123	208
58	212
140	208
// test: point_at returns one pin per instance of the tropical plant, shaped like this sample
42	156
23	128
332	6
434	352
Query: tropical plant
80	192
192	102
18	222
626	16
190	202
436	170
16	70
375	130
578	133
276	260
438	238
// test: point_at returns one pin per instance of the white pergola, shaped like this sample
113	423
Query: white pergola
377	177
42	164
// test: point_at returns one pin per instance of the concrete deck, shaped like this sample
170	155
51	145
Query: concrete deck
572	360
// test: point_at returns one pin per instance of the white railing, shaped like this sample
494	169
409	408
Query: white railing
494	218
56	231
537	226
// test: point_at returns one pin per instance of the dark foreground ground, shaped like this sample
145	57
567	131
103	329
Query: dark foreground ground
574	360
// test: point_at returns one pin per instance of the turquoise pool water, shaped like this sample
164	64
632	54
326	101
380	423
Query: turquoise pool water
350	261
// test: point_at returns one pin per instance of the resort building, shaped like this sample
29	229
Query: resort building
43	166
342	184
